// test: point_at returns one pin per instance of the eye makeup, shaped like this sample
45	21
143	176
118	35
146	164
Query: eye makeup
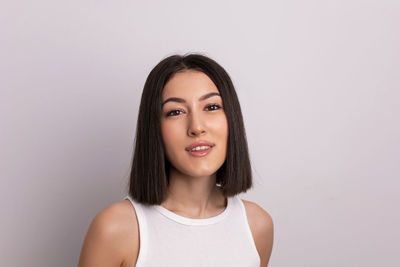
215	106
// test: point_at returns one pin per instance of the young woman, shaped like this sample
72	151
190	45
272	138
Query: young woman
190	162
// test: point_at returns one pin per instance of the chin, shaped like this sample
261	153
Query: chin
199	169
200	173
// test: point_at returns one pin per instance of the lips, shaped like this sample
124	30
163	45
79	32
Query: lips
199	143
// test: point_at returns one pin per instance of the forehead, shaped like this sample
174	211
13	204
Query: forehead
188	84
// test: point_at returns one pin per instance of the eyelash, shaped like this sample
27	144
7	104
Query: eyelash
212	105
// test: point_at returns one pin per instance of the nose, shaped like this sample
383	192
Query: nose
195	125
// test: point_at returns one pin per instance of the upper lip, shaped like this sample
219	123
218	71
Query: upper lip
199	143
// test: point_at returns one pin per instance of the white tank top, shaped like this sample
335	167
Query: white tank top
168	239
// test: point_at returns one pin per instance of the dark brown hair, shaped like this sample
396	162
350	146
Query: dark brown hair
150	167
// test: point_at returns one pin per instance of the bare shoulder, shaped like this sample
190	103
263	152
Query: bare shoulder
112	238
262	229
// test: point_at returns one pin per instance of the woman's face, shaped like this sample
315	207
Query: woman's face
193	112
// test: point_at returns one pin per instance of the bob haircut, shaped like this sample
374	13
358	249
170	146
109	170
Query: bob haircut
149	178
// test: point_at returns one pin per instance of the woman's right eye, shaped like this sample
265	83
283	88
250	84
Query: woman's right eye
173	112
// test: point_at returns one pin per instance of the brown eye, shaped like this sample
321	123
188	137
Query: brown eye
213	107
173	112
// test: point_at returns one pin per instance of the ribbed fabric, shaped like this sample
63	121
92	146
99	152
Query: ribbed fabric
168	239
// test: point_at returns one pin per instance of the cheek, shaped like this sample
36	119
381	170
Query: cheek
221	127
170	134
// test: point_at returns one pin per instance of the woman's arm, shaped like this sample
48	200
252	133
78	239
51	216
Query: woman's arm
112	238
266	237
262	229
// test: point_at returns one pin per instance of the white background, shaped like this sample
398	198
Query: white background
318	83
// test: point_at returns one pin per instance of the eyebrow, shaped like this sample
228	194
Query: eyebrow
181	100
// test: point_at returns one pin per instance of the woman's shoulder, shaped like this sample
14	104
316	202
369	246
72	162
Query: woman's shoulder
262	229
113	237
252	208
117	219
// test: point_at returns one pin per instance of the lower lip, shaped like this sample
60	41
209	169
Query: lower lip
200	153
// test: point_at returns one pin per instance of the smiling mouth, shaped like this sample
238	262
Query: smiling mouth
200	151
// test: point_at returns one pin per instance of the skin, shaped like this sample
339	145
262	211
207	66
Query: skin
113	236
192	191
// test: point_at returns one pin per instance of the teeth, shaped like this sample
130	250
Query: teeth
198	148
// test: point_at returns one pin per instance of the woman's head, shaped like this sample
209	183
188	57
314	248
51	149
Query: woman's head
187	99
192	115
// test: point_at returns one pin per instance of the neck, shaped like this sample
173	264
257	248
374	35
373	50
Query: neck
197	197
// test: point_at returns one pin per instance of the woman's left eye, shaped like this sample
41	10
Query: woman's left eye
213	107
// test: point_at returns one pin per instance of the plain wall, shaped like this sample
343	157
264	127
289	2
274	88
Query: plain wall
318	83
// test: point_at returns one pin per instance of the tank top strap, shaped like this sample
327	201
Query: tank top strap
245	219
140	210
